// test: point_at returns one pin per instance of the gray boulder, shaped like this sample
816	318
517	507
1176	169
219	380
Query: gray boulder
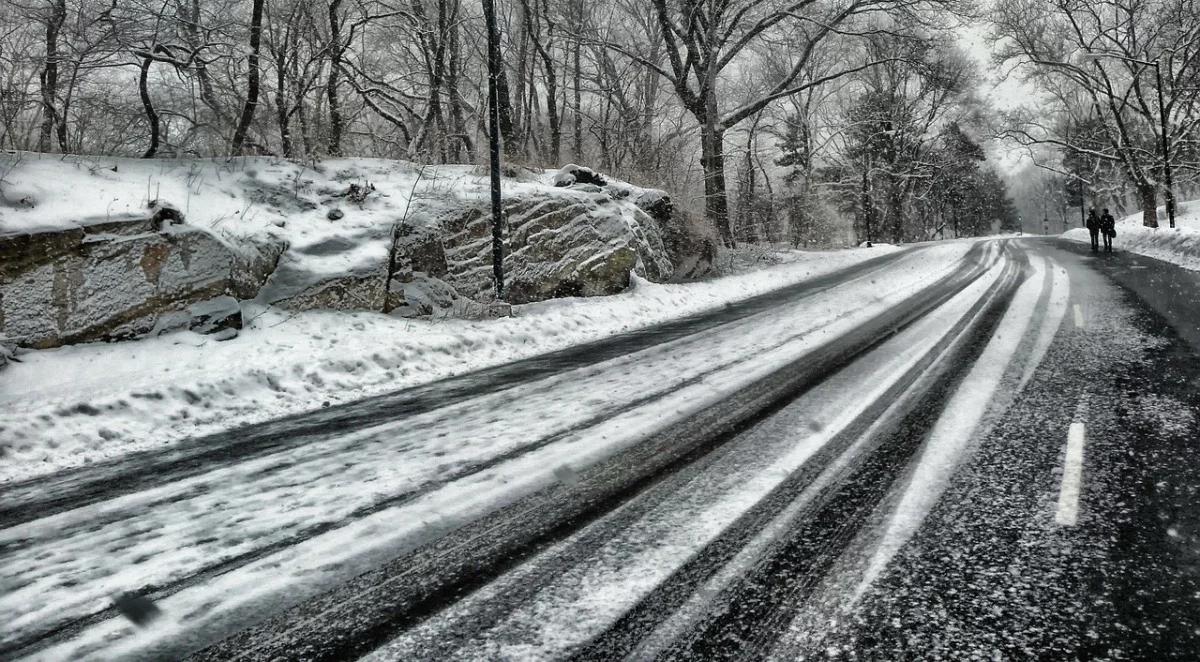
561	243
690	242
572	174
118	279
220	317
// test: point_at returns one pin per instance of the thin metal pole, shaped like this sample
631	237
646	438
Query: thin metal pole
866	202
489	12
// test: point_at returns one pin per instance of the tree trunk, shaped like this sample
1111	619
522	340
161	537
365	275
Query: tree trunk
49	75
601	132
457	120
552	113
712	161
1148	195
305	133
514	145
207	93
748	229
533	23
896	209
576	79
282	117
151	115
866	204
298	93
433	126
243	126
432	135
331	84
65	109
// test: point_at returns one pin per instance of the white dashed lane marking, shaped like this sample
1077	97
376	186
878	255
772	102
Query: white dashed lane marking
1072	472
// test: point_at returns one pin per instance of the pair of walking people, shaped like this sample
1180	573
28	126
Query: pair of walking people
1103	225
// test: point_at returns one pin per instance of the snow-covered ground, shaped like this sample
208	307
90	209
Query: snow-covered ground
239	198
80	404
241	201
1180	245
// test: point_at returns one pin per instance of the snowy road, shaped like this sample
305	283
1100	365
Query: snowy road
959	447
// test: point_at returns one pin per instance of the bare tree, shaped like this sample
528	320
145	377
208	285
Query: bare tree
1134	65
706	38
239	134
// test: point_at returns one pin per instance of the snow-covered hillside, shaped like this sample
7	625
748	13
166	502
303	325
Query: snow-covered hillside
1180	245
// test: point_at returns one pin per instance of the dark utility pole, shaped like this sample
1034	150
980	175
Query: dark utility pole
493	37
866	202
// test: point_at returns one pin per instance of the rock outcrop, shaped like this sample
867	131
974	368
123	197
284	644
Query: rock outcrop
689	242
220	317
117	279
559	243
581	240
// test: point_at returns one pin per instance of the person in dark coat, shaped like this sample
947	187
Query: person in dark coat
1108	228
1093	227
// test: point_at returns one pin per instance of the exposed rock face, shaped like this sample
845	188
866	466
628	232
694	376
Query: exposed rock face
220	317
7	352
295	285
565	243
418	287
571	174
691	245
117	279
359	290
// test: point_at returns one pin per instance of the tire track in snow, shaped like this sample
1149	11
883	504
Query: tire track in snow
956	428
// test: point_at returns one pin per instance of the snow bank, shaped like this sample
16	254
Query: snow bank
1180	245
80	404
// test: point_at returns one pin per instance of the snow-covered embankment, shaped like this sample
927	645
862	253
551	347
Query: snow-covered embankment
1179	245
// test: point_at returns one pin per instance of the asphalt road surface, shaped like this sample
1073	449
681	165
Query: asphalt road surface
989	456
